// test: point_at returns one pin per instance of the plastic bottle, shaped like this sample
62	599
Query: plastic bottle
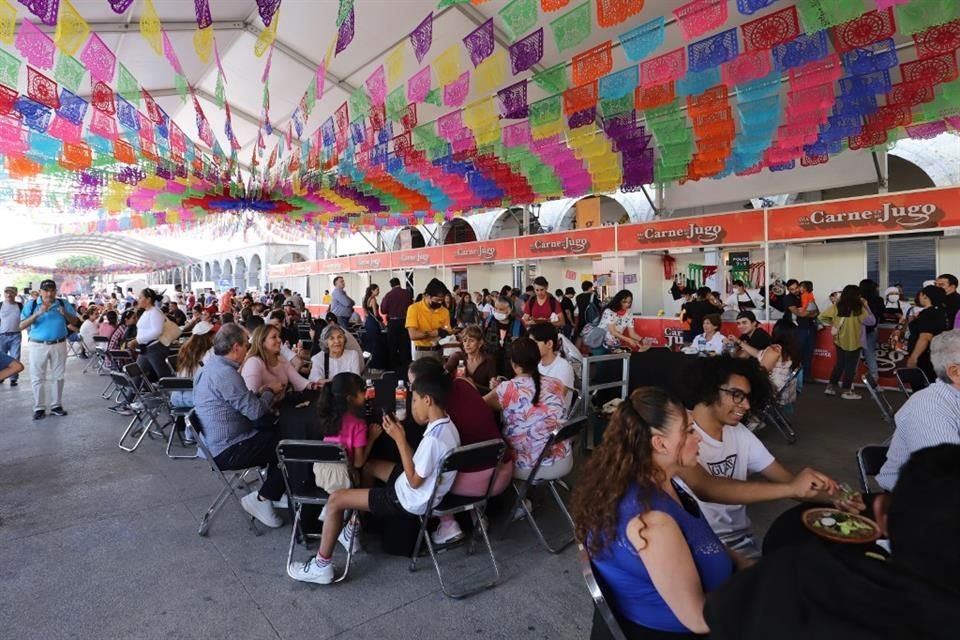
369	400
462	369
401	398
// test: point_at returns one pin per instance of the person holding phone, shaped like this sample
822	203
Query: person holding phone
46	318
409	484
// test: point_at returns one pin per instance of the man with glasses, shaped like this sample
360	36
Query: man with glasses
428	321
10	328
724	390
47	318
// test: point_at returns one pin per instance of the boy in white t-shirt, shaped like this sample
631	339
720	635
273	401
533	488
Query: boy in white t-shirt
724	391
408	485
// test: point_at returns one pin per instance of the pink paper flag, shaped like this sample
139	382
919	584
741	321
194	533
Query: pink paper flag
216	53
321	78
419	84
100	60
266	67
171	55
36	46
377	86
455	93
63	129
103	124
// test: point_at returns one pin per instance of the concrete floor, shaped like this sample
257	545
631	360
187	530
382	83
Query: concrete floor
98	543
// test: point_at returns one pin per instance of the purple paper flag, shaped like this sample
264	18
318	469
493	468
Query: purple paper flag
422	37
202	9
100	60
526	52
345	33
513	101
479	42
46	10
267	8
120	6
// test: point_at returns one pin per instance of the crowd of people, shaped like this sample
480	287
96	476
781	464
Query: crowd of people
659	505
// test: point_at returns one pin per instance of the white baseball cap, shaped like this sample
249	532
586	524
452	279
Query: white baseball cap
202	328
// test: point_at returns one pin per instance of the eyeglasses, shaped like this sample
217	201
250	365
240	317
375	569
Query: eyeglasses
738	395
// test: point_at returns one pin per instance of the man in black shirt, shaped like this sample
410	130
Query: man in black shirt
583	301
566	306
751	333
175	314
948	282
806	324
696	311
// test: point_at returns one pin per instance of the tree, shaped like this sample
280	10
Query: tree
79	262
22	280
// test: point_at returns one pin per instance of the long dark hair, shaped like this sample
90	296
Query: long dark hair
333	402
625	457
525	354
785	335
368	293
849	303
615	304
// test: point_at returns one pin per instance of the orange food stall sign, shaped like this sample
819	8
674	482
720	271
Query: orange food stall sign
908	211
744	227
370	262
332	266
466	253
567	244
417	258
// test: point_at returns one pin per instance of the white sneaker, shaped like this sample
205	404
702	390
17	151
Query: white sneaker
830	390
282	503
261	510
311	571
348	533
447	533
519	513
851	395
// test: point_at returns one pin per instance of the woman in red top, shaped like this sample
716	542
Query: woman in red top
542	307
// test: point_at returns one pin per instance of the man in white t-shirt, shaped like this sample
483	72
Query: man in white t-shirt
724	390
552	364
409	485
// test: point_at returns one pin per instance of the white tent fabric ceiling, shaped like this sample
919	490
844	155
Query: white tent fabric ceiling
306	29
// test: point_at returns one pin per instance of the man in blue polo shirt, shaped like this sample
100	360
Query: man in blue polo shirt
47	317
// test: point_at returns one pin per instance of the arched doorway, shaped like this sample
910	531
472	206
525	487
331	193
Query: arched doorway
904	175
253	272
508	224
456	231
409	238
217	271
207	272
240	274
293	256
227	275
611	212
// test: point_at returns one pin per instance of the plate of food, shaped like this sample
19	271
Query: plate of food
840	526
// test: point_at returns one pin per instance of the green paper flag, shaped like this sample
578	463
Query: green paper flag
346	6
552	80
9	70
610	108
425	136
449	3
818	15
220	93
359	104
573	27
127	85
181	85
396	102
519	17
434	97
69	72
545	111
311	96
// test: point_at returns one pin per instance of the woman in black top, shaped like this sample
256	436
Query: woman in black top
870	293
930	322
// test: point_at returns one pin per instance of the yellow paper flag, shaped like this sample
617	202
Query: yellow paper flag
203	43
8	21
490	73
447	65
267	36
394	65
72	30
480	115
150	27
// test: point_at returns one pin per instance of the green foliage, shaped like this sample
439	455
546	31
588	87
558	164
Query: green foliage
79	262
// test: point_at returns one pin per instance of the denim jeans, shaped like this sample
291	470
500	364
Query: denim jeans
845	368
870	354
10	345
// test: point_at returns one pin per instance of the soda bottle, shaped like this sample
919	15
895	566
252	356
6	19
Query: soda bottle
462	370
369	399
401	398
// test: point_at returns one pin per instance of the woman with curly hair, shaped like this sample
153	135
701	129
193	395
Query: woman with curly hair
645	534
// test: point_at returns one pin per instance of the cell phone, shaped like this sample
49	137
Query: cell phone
307	345
389	414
